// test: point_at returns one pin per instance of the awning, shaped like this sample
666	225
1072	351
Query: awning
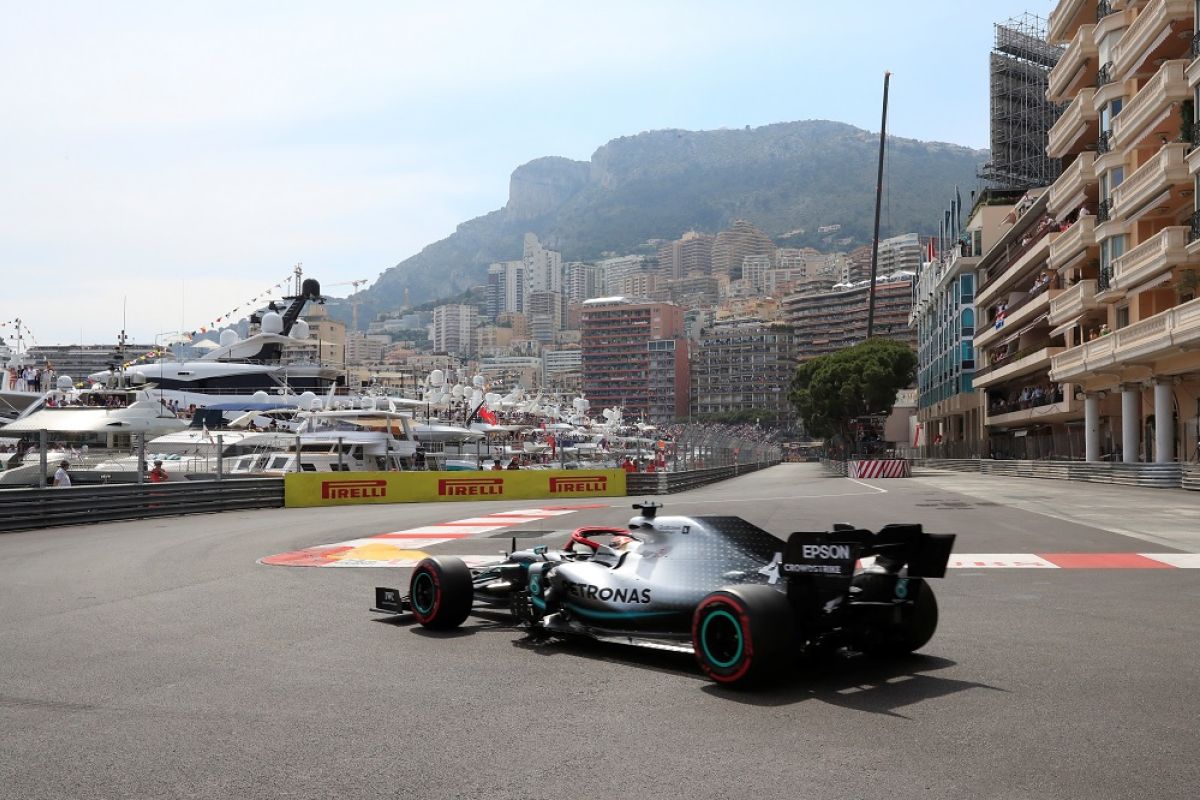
1024	329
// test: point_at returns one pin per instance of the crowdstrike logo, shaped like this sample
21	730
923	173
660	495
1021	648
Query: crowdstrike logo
470	487
353	490
578	484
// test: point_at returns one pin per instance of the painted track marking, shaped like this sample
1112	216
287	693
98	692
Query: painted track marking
403	548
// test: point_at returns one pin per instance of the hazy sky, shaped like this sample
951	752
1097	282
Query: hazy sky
176	159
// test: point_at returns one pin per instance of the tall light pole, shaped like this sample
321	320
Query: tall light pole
878	200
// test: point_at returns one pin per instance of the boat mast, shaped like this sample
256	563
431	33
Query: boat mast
878	200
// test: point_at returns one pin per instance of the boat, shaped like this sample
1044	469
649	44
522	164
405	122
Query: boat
239	369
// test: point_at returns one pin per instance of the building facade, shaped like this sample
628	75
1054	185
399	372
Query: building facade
825	322
453	329
634	356
944	316
1129	318
744	367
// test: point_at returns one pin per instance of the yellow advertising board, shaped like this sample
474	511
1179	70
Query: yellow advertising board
303	489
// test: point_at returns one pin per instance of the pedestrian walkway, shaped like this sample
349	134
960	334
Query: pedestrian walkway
1165	517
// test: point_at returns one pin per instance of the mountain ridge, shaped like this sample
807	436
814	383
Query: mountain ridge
783	177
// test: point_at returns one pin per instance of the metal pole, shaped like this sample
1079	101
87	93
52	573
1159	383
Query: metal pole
141	451
878	201
42	459
220	460
340	467
297	453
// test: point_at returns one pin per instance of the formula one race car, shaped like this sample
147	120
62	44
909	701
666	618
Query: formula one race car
736	596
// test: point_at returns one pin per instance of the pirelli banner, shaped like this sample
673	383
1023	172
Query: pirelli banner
303	489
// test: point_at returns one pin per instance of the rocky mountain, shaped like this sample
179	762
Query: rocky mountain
789	179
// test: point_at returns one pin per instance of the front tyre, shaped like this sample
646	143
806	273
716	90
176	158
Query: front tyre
740	633
441	592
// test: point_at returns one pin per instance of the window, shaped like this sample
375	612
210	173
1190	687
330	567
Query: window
968	322
968	288
1122	316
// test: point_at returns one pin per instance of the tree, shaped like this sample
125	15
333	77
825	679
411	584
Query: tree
831	390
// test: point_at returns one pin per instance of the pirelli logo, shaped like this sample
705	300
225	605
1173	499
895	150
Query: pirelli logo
470	487
352	490
579	484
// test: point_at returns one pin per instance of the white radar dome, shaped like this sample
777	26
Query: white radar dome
259	397
64	383
437	378
272	323
300	330
305	401
477	381
229	336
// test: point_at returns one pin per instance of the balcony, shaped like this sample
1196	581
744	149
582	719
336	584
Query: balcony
1158	254
1072	69
1076	127
1147	185
1070	190
1166	334
1066	19
1018	313
1154	110
1071	304
1022	364
1073	241
1035	253
1152	36
1049	412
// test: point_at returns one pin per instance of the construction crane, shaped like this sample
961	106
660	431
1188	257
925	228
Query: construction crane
353	302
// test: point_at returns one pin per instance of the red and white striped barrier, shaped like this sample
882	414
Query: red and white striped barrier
882	468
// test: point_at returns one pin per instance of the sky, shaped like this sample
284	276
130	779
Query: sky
163	163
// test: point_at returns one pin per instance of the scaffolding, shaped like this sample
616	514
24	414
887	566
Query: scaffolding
1021	115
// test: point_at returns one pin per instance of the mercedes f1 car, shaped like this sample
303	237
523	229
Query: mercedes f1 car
733	594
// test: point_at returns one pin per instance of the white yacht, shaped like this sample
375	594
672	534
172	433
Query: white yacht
239	368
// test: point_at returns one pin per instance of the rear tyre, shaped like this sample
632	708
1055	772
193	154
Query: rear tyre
740	634
440	592
918	620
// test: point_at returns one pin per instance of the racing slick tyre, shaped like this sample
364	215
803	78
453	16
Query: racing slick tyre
917	622
440	592
741	633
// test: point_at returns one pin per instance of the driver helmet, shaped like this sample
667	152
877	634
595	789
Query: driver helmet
622	542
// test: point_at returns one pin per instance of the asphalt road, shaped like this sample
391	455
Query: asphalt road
159	659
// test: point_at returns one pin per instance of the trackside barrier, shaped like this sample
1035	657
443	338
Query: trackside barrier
303	489
1190	478
25	509
641	483
1158	476
834	465
879	468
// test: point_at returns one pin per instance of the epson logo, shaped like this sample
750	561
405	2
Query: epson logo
826	552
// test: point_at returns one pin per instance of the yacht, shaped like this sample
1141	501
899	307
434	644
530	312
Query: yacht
240	368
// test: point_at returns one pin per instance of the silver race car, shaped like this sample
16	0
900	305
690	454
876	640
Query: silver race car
736	596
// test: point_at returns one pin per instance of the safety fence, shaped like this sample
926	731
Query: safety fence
25	509
671	482
1159	476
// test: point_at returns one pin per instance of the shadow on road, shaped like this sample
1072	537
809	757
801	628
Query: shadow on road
876	686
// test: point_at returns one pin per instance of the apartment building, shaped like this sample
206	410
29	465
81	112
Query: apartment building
1129	317
691	254
944	317
828	321
453	328
744	367
731	247
634	355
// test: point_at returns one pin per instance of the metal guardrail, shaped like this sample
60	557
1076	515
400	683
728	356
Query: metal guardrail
640	483
1158	476
25	509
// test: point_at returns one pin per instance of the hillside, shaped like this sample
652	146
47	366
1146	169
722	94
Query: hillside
788	179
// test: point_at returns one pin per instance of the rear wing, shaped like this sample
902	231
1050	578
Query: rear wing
835	554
